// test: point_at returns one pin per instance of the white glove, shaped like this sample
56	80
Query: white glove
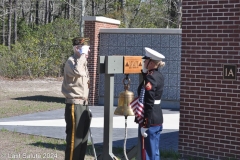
85	49
143	132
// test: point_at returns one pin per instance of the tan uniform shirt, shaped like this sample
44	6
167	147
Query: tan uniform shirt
76	77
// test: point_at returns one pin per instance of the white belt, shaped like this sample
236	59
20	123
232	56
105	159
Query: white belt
157	101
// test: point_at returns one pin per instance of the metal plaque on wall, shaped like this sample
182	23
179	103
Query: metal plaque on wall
229	72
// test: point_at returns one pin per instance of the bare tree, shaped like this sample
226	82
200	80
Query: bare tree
22	9
51	7
9	23
15	21
46	11
93	8
69	9
67	6
179	14
81	18
37	13
3	22
30	17
124	14
174	9
136	13
66	10
74	10
105	6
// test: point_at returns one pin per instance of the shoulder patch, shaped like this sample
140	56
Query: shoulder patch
148	86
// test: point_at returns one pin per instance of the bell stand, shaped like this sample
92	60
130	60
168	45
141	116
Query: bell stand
110	65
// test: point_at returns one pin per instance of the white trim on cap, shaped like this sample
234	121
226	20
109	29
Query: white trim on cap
101	19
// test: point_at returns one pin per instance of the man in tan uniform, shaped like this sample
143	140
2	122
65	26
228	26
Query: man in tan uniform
75	89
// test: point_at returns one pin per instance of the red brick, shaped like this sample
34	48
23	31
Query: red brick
92	30
220	46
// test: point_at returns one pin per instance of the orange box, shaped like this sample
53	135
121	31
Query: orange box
132	64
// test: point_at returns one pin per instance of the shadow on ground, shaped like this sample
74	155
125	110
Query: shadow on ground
42	98
60	147
168	141
131	142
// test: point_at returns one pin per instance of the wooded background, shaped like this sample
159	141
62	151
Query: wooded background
35	35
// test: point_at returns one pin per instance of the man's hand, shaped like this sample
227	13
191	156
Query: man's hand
143	132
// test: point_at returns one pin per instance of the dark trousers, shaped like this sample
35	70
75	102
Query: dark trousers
78	120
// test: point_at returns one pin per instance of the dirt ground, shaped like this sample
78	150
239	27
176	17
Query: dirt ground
35	86
19	97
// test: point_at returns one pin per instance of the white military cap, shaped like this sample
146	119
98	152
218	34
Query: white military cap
152	54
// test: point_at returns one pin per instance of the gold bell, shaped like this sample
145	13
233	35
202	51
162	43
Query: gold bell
124	100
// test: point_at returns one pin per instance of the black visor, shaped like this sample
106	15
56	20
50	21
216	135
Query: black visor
146	57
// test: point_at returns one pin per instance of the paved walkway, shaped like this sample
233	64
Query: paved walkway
52	124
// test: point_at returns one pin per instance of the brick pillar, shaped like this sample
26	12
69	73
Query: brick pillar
209	104
91	30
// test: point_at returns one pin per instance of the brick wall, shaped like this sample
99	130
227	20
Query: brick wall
91	30
210	105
